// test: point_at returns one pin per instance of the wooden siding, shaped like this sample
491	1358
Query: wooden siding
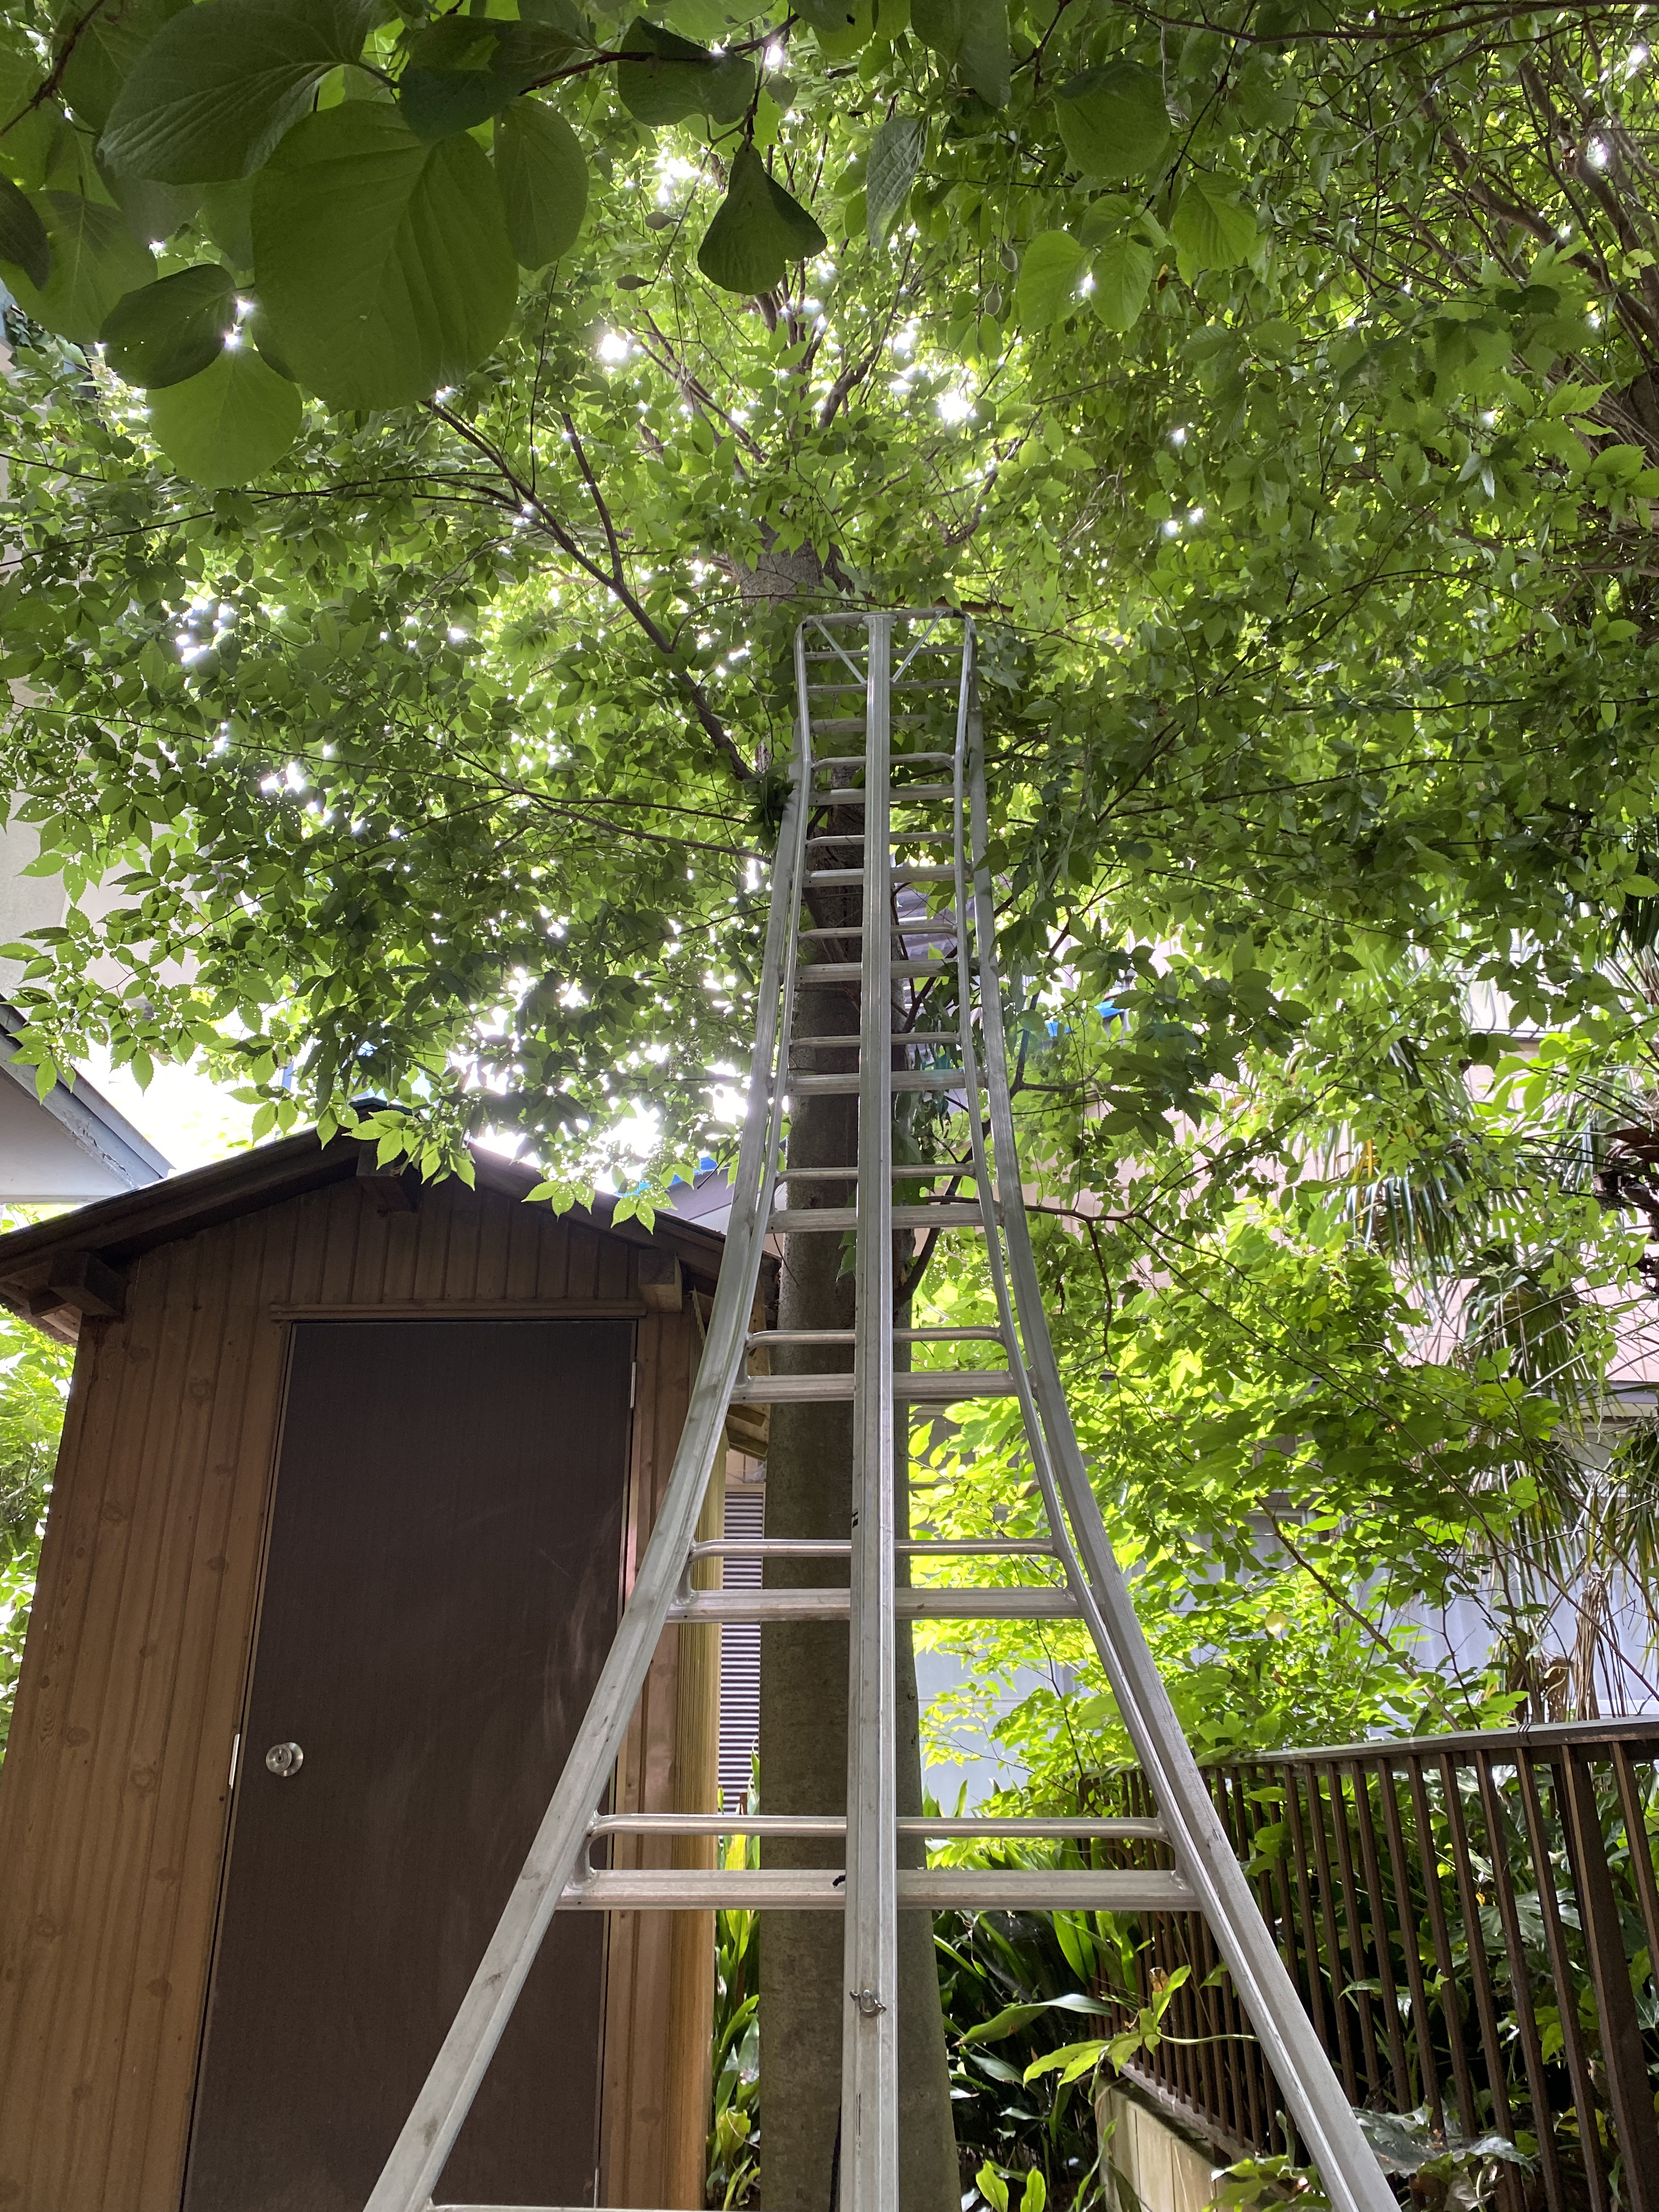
114	1793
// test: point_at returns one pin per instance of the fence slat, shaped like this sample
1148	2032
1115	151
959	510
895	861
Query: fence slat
1622	2055
1526	2018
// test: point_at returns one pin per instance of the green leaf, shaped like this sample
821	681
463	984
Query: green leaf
758	230
108	42
23	239
228	219
171	331
1114	120
230	423
842	27
410	294
435	102
1210	228
1049	274
31	132
1070	2060
1123	270
1037	2191
219	85
543	179
95	260
895	157
452	82
992	2188
971	37
670	78
152	211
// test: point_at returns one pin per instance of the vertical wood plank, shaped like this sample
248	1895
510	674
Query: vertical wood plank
460	1277
432	1224
217	1646
494	1229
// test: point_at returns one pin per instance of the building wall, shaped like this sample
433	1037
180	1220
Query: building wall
114	1793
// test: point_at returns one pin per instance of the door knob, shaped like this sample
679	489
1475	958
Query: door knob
285	1759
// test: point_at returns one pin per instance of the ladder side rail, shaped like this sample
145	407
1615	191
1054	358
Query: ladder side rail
416	2160
991	1009
869	2164
1330	2133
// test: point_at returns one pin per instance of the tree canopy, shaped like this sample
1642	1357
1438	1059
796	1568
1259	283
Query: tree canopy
426	429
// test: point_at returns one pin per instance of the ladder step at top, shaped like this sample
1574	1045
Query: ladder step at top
900	1171
1062	1829
921	1386
948	1889
854	795
899	759
852	971
982	1602
821	1547
794	1220
904	1078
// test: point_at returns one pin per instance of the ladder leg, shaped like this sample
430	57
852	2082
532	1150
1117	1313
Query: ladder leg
869	2158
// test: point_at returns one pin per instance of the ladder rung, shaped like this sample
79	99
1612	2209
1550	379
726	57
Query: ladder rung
767	1336
939	875
852	724
1062	1829
931	925
824	1548
949	1889
852	971
855	795
925	684
902	1079
958	1601
791	1220
912	1172
921	1386
898	760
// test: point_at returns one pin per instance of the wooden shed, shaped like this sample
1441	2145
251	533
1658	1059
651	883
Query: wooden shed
352	1482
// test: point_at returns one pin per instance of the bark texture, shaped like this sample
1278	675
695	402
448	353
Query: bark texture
804	1710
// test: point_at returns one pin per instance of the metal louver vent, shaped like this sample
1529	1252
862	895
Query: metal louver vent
740	1646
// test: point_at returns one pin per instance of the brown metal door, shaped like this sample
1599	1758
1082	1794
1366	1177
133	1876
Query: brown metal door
440	1592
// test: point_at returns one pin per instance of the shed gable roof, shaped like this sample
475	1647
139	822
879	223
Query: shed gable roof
70	1265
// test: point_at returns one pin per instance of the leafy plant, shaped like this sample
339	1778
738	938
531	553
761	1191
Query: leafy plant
734	2179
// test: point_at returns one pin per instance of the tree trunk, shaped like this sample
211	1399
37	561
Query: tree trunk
803	1732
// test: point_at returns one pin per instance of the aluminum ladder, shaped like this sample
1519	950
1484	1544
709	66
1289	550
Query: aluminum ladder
895	680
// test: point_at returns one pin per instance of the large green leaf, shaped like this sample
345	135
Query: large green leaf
1114	121
971	37
1050	272
95	259
30	130
152	211
171	331
219	85
450	84
758	230
669	78
1123	270
228	423
107	43
23	239
228	219
409	294
543	178
895	157
1210	228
